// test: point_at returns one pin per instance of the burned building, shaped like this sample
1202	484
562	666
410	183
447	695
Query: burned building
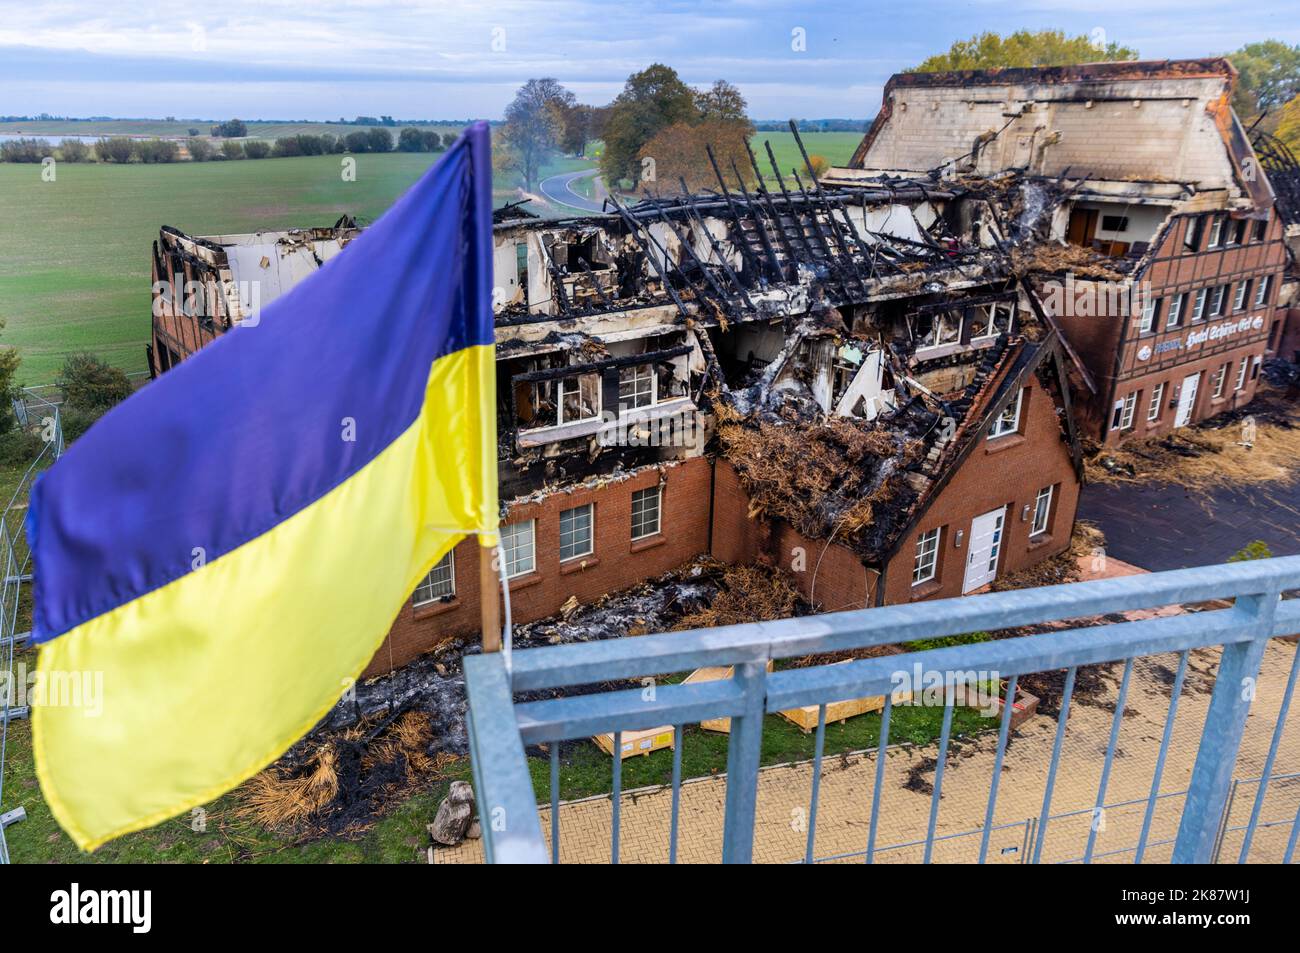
853	382
1134	197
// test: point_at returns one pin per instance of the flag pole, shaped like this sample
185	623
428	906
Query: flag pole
489	584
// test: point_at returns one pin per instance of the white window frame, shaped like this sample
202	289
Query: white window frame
1216	232
1175	310
1239	299
561	393
434	589
640	374
1150	307
991	330
513	535
1129	404
1216	300
1220	378
576	515
639	515
1261	293
1241	373
1005	425
1157	401
1042	511
925	563
1198	305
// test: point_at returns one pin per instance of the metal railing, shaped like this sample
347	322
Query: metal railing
500	728
15	553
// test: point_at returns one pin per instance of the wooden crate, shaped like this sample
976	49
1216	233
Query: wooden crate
637	742
806	717
714	674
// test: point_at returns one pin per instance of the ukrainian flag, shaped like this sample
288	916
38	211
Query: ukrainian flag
230	545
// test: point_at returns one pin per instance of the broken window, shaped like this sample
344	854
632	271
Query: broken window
991	320
1008	421
1192	237
936	328
636	386
521	267
579	398
439	585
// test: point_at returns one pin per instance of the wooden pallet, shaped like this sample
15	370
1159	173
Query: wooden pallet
806	717
713	674
637	742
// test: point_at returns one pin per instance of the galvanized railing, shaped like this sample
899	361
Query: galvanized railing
15	554
500	728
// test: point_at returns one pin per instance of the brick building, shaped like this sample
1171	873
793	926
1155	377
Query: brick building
857	372
1172	255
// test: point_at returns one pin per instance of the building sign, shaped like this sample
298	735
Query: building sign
1226	330
1217	332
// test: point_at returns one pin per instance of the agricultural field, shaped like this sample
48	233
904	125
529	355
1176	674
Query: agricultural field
836	147
74	253
163	128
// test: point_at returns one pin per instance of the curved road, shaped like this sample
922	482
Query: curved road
558	189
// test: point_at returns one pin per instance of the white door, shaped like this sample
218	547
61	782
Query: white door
982	554
1187	399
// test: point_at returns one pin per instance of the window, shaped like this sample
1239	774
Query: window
1009	420
936	328
579	398
521	266
1220	376
439	584
1157	400
517	541
575	532
1261	293
1150	311
1254	366
1243	292
1176	310
1198	308
1114	223
927	557
1241	373
1192	237
1238	236
636	386
1216	300
1261	229
1122	416
645	512
990	320
1042	508
1216	232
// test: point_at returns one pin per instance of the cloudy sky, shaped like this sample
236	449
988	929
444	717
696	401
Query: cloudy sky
455	59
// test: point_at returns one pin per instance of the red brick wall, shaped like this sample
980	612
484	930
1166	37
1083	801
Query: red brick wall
1008	471
615	563
832	576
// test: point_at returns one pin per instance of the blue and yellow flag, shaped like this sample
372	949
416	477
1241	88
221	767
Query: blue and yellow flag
230	545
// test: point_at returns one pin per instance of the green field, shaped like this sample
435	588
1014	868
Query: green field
74	253
836	147
56	128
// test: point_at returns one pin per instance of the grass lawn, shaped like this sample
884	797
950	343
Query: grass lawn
74	253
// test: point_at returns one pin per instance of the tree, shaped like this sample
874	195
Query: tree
534	126
651	101
115	149
200	150
157	150
679	152
235	150
1024	48
410	139
358	142
724	102
230	129
73	150
380	140
91	384
254	148
1269	76
1288	126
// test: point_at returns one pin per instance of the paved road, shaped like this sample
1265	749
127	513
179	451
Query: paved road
1166	526
559	189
